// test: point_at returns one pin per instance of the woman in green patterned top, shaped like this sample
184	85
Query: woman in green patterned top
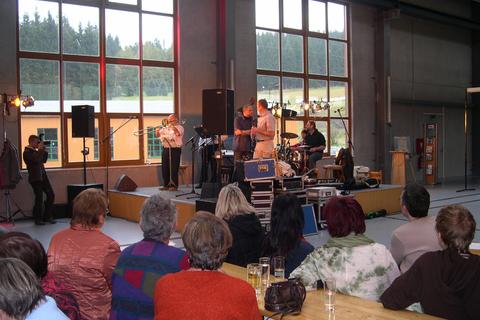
360	266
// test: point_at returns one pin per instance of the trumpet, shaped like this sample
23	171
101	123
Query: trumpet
165	124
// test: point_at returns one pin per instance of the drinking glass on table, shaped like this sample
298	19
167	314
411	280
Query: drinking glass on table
329	288
279	267
254	273
265	266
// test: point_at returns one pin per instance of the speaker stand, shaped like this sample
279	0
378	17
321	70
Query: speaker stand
85	152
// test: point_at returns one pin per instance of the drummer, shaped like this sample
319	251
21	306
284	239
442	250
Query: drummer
316	140
301	143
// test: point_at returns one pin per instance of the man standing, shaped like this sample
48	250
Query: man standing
242	143
35	156
418	236
172	141
264	132
316	140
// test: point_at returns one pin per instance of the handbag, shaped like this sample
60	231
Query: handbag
285	297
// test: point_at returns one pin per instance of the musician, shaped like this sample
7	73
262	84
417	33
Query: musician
301	143
35	156
316	140
242	142
264	132
172	141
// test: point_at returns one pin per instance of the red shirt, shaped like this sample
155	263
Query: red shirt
204	295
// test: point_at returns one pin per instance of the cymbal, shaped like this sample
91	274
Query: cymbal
304	146
288	135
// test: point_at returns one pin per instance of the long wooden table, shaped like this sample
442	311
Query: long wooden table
346	307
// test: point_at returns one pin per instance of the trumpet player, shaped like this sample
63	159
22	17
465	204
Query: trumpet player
171	136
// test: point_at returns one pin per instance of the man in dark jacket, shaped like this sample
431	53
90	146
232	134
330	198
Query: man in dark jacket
447	282
35	156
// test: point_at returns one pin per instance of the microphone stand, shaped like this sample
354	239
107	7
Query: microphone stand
109	148
194	150
350	144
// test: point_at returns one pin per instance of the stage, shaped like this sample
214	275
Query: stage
127	205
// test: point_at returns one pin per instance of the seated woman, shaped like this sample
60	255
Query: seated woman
360	266
247	232
82	257
285	237
203	291
446	282
21	296
21	246
141	264
345	159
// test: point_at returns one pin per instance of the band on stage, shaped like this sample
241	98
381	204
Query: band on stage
253	139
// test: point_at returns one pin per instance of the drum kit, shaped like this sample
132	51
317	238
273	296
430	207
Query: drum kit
296	156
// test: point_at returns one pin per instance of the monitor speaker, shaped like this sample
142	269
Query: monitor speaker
83	121
125	183
218	111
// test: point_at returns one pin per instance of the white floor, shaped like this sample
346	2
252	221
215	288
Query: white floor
379	229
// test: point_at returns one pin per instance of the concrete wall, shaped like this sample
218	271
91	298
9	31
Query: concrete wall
430	69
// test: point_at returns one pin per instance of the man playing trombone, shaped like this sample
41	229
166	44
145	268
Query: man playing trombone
171	136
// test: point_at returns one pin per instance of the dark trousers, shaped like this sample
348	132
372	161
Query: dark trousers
313	158
175	165
40	187
208	163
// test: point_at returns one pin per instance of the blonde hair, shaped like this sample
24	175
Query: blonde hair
232	202
88	206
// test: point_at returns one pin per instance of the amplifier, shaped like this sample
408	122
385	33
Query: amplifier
321	192
288	184
255	169
261	186
262	197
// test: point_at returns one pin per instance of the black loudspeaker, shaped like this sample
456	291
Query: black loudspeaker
218	111
125	183
83	121
74	189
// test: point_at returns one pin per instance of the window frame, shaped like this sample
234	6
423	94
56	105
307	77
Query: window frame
102	116
305	76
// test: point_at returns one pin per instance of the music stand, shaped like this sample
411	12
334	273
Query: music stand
194	150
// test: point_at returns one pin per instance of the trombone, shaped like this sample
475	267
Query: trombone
165	124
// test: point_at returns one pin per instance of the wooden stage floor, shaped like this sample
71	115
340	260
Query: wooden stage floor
127	205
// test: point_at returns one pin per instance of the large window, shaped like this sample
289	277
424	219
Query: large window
303	63
118	56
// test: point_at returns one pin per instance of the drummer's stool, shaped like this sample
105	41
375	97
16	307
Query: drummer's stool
328	170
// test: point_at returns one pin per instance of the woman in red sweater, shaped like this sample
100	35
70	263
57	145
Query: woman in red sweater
204	291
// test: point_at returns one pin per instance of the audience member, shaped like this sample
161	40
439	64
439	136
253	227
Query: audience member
285	237
203	291
143	263
21	246
360	266
83	257
446	282
247	232
21	296
418	236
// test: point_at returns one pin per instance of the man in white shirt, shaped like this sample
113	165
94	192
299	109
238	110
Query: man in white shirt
418	236
172	141
264	131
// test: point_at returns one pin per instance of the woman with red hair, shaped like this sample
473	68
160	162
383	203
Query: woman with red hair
360	266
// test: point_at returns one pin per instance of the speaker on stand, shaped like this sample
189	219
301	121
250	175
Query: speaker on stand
83	125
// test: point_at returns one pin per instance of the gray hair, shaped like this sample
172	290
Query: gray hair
158	218
231	202
20	290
